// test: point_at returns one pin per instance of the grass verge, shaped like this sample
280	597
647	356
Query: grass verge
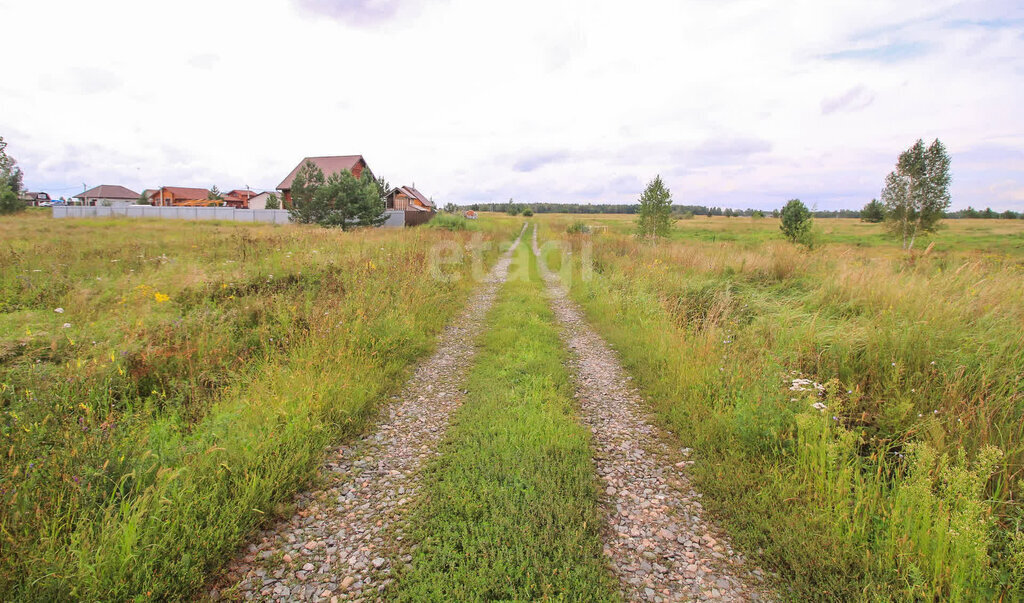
509	509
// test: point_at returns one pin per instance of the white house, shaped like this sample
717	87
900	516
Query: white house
260	200
108	195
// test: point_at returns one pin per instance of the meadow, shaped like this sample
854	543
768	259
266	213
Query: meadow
857	411
165	387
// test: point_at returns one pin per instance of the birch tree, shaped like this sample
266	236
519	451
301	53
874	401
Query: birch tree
916	193
654	216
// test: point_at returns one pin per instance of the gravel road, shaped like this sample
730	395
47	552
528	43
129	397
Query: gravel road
343	539
656	538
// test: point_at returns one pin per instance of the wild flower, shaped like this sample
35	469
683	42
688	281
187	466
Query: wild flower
67	325
820	406
161	298
59	310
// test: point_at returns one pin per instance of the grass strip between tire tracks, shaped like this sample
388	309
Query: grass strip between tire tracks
509	507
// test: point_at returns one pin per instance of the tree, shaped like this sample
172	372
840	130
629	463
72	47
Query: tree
273	202
143	199
349	201
214	194
450	208
383	189
757	214
528	212
10	173
654	216
796	221
303	207
339	200
511	208
9	201
916	193
873	212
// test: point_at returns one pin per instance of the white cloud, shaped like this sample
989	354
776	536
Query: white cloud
742	102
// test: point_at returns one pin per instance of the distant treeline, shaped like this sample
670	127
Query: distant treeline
702	210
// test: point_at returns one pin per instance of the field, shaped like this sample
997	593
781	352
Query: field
856	412
159	377
859	412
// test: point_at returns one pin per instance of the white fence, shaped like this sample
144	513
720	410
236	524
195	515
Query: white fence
269	216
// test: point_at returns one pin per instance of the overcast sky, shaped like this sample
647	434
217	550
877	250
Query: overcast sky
735	103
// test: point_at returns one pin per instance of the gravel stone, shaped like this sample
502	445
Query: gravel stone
351	526
650	508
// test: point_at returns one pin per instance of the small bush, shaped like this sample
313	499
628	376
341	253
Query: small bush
528	212
578	228
451	222
796	222
9	201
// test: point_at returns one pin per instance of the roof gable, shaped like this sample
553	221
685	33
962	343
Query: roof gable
412	192
108	191
328	165
183	192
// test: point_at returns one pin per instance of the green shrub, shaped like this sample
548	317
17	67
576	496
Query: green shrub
9	201
451	222
796	222
578	228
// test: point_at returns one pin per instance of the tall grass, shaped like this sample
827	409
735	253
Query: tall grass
204	370
899	474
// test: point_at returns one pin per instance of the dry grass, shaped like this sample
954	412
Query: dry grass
189	385
907	483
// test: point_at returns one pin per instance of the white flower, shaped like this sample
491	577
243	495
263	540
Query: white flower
59	310
67	325
819	406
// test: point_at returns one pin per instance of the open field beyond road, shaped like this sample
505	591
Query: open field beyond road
857	412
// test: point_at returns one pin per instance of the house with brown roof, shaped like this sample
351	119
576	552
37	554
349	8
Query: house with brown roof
417	207
34	198
178	195
239	198
108	195
328	165
407	198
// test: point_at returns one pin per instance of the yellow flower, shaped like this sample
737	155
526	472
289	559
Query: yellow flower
161	298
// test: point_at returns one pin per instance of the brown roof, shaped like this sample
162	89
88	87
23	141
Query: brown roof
108	191
328	165
412	192
183	192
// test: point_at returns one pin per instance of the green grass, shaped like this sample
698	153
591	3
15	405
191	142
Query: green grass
205	368
908	484
508	512
975	237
